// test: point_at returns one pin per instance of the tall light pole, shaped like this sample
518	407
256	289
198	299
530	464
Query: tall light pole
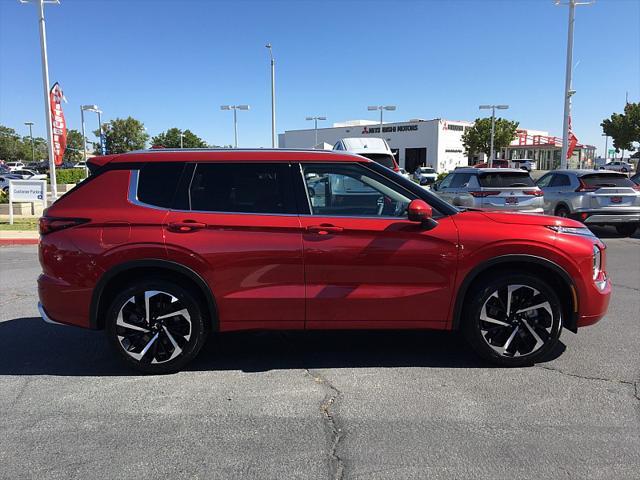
181	137
33	148
89	108
45	85
235	108
606	145
273	96
381	108
315	126
567	80
493	126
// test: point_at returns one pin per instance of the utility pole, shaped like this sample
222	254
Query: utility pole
45	85
568	92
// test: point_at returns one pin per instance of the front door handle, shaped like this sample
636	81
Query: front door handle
186	226
324	229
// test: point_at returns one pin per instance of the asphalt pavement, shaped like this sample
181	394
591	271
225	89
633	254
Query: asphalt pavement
319	405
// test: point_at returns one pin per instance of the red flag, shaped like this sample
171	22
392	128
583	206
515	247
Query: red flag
573	141
58	124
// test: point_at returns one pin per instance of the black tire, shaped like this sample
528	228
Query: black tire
514	343
626	229
562	211
171	341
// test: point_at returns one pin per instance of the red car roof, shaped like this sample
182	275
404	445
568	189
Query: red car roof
221	155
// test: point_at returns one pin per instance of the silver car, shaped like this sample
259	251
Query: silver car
507	189
595	197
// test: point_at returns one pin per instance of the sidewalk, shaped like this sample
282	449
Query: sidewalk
19	237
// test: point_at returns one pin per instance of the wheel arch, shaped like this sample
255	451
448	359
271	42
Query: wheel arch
562	204
549	270
104	292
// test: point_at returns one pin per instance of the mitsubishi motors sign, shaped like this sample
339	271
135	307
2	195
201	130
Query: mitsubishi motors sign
389	129
58	124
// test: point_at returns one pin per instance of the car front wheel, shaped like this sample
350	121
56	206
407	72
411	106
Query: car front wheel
156	326
513	320
626	229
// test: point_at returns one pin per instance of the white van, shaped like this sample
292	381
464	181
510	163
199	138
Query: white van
373	148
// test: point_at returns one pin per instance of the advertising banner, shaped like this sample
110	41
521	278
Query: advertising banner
58	124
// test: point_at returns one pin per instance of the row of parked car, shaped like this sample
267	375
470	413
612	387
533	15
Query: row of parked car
594	197
13	172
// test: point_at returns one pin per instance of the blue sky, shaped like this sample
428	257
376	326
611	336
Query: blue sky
173	63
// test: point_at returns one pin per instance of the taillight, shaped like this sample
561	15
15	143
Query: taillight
636	187
50	224
480	194
535	193
585	188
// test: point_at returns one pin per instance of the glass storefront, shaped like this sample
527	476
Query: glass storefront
547	157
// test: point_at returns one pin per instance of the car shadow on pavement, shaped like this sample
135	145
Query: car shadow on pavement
610	232
28	346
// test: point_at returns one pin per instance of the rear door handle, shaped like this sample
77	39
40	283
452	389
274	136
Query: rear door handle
186	226
324	229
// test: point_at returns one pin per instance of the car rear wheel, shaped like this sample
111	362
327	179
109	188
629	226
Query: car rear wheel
514	320
156	326
626	229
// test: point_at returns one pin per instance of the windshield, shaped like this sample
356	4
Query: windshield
606	180
505	180
427	170
381	158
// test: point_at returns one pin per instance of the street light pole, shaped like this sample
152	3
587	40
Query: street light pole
33	147
84	137
493	127
568	92
235	108
45	85
381	108
273	97
315	126
181	137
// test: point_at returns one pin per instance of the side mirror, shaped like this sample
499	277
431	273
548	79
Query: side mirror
435	186
419	211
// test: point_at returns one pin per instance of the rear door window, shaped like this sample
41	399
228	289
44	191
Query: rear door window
606	180
505	180
242	188
460	180
560	180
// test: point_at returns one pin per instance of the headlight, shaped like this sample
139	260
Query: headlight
584	231
597	261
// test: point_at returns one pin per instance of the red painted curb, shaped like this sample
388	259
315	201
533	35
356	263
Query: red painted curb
18	241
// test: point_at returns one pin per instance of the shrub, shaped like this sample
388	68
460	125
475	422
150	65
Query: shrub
441	176
70	175
4	198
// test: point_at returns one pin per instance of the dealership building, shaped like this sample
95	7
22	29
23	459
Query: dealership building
436	143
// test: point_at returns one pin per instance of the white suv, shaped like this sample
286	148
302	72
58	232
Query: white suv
618	166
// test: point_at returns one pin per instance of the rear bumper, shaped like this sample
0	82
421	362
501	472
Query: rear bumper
62	303
610	217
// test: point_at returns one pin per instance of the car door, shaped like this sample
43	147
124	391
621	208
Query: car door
237	224
544	184
366	264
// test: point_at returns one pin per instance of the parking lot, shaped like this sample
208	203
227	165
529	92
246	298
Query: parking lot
319	405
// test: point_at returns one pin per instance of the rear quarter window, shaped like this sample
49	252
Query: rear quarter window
505	180
157	183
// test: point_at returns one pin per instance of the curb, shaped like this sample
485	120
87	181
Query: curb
5	242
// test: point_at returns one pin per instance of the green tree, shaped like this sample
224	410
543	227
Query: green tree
11	145
123	135
624	128
478	138
73	153
171	139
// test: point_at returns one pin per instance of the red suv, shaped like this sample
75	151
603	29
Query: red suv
163	248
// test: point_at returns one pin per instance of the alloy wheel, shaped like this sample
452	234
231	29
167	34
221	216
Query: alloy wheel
516	320
153	327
